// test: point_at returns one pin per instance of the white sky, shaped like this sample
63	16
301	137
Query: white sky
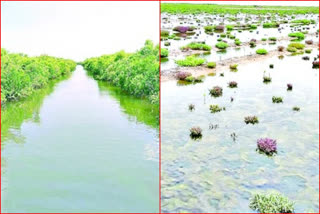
77	30
272	3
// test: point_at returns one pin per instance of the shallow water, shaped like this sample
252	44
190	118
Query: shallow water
217	174
80	146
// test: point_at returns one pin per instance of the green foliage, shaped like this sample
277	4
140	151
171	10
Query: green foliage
187	8
296	45
261	51
209	28
298	35
164	53
271	203
277	99
272	39
270	25
190	61
302	21
21	75
164	33
215	108
136	73
211	64
233	66
264	39
292	49
229	27
196	46
222	45
237	42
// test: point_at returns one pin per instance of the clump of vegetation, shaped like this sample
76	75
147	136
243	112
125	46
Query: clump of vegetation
196	46
167	43
315	64
261	51
281	48
309	42
164	33
296	108
277	99
271	66
164	53
197	79
190	61
222	45
267	79
306	58
272	39
233	66
216	91
264	39
211	64
136	73
233	84
182	75
308	51
251	119
183	29
237	42
271	203
267	146
191	107
292	49
270	25
296	45
209	28
195	132
297	35
22	75
216	108
289	87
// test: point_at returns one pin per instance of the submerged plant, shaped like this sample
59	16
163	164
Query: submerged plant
296	108
191	107
271	203
289	87
196	132
277	99
251	119
267	146
233	84
216	108
216	91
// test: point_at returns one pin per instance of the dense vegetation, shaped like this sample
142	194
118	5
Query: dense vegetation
185	8
136	73
21	75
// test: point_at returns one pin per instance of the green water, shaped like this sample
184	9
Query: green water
217	174
80	146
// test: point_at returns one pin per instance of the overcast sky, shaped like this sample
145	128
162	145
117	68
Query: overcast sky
275	3
77	30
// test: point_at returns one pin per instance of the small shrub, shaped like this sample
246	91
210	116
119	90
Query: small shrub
191	107
215	108
308	51
196	132
309	42
167	43
289	87
164	52
297	35
292	49
211	64
261	51
280	48
190	61
315	64
296	45
277	99
233	84
267	79
222	45
216	91
267	146
182	75
271	66
251	119
237	42
221	74
164	33
296	108
271	203
233	66
272	39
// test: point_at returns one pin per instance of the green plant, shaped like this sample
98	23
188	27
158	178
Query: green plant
196	46
216	91
272	39
296	45
237	42
211	64
261	51
264	39
215	108
277	99
296	108
297	35
136	73
271	203
222	45
196	132
292	49
164	52
251	119
190	61
233	66
308	51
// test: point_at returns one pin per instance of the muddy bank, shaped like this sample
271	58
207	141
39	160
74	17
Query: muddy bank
223	65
